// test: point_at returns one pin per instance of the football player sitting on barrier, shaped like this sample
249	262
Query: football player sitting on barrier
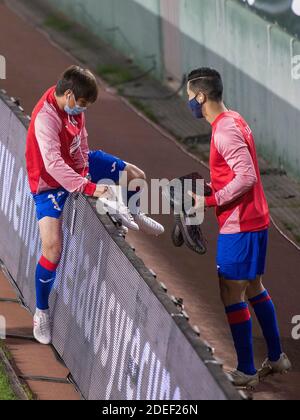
59	162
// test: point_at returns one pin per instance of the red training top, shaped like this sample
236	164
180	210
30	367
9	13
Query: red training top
57	149
238	193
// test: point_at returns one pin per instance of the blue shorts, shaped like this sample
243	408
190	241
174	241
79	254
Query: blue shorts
102	167
242	256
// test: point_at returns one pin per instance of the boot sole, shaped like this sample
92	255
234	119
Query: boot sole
268	372
249	387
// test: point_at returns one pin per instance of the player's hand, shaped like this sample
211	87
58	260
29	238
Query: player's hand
199	202
101	190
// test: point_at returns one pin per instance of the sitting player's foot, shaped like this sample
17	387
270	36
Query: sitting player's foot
282	366
42	327
242	380
125	218
122	230
148	225
116	208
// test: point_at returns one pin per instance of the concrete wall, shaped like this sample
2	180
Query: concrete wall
253	56
133	27
255	60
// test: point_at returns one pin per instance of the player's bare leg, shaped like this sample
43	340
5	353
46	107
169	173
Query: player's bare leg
233	292
52	238
255	288
52	241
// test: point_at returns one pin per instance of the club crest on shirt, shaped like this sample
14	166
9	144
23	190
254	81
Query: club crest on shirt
114	167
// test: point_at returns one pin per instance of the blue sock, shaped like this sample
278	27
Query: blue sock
240	322
266	315
44	281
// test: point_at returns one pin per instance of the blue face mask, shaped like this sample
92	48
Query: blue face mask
196	108
77	110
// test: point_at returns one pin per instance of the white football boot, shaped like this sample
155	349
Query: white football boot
148	225
282	366
113	204
42	327
242	380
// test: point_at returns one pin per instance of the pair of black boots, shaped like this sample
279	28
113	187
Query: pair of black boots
184	232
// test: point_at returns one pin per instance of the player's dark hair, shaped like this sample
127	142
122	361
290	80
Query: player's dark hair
81	82
207	81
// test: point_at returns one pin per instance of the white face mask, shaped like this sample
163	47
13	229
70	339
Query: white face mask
77	110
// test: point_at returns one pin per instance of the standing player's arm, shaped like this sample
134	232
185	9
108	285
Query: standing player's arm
47	130
233	148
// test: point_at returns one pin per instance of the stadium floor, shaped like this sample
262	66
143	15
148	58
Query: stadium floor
116	128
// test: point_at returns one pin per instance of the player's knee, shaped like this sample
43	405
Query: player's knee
232	292
228	297
224	292
223	297
255	288
135	173
142	175
52	251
